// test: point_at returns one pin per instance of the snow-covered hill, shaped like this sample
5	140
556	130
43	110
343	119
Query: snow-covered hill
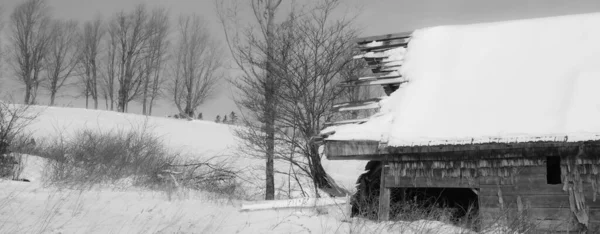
30	207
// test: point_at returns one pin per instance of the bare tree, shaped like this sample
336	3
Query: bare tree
1	28
29	41
253	52
158	27
90	39
132	37
197	64
319	57
110	71
254	55
62	56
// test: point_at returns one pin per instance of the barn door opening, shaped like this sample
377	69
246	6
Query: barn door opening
455	205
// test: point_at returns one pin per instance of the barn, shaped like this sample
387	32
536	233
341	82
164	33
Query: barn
504	116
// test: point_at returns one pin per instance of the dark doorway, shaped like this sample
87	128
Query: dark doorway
454	204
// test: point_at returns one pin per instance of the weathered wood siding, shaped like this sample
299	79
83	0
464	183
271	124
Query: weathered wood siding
513	189
526	199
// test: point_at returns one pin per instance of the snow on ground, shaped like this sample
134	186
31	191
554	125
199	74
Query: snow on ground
196	140
308	202
510	81
33	208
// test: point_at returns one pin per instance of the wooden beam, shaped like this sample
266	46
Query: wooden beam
365	40
484	146
366	157
371	100
446	182
399	80
383	66
389	75
374	56
383	70
386	45
358	105
348	148
384	196
349	121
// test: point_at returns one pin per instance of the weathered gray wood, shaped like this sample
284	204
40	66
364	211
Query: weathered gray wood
386	44
530	189
384	197
364	40
421	182
356	105
529	201
399	80
488	146
350	121
388	75
343	148
489	151
544	219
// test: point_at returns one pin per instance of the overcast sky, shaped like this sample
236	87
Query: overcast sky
375	17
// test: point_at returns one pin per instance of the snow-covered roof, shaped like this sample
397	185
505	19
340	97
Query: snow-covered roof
514	81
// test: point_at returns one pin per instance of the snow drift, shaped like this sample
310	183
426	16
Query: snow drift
514	81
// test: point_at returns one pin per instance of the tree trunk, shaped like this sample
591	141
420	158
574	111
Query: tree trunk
95	84
52	97
270	104
145	95
150	105
27	94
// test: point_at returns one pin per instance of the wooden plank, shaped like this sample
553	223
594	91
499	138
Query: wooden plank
358	105
374	63
384	66
349	121
523	175
530	201
400	80
384	37
561	223
375	56
385	45
487	146
384	198
347	148
529	189
383	71
539	201
537	213
388	75
360	102
421	182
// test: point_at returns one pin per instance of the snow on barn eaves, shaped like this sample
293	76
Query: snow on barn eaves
514	81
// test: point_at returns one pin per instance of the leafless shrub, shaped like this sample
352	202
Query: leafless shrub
13	137
210	175
91	157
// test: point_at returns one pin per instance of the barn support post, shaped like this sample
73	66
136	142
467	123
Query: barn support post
384	196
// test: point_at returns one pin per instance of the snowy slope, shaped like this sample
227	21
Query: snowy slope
31	207
197	136
34	208
514	81
196	140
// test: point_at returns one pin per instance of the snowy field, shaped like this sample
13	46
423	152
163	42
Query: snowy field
34	207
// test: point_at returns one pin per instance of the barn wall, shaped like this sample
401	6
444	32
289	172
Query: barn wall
510	188
525	199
